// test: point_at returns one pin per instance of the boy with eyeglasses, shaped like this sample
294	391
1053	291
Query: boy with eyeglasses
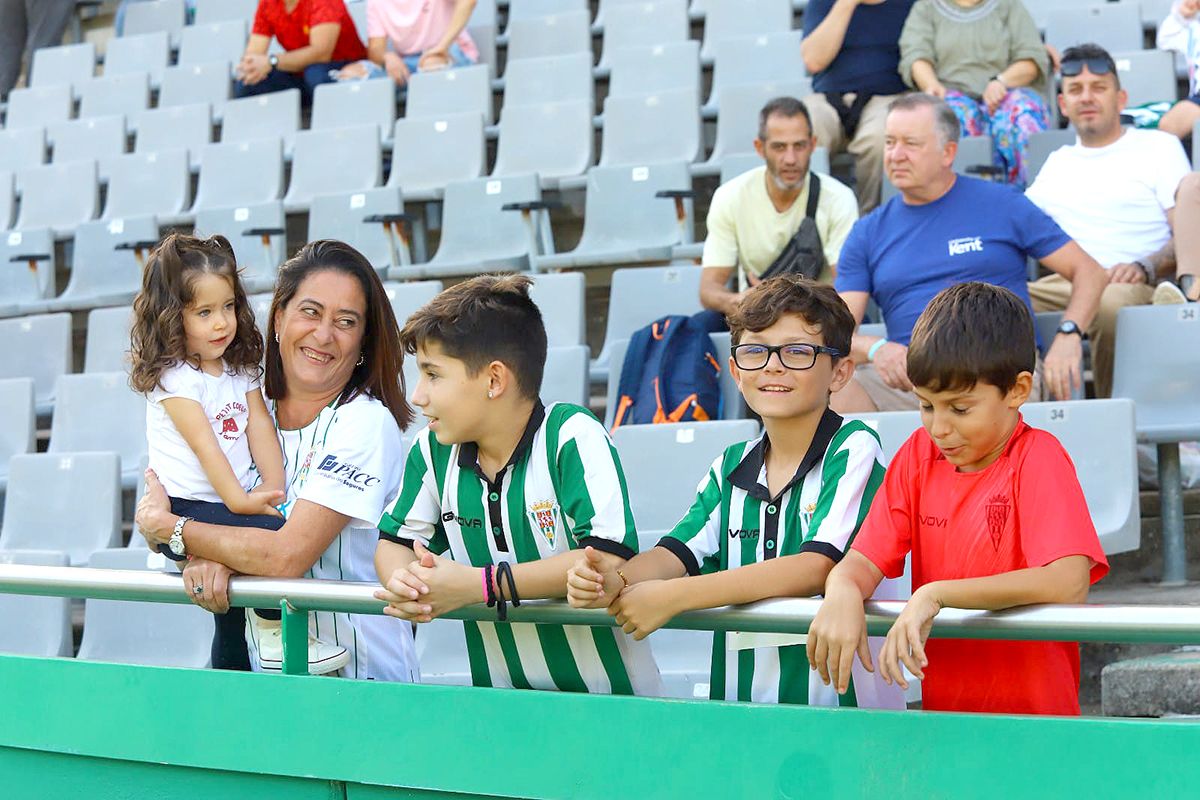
774	514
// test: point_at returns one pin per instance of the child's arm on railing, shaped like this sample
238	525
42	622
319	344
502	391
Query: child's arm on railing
268	457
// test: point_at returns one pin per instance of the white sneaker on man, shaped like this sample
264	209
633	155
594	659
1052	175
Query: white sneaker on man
1168	294
266	636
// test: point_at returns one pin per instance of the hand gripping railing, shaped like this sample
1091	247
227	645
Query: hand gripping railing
296	597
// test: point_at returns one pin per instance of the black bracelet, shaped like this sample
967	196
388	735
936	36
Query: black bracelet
487	579
504	572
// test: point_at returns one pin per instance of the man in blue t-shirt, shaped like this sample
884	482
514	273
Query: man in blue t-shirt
852	50
944	229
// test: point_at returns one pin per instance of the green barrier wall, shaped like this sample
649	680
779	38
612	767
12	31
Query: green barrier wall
77	730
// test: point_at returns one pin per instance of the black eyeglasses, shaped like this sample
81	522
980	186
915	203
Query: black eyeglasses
1096	66
798	355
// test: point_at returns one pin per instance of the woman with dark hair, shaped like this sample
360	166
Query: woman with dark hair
335	390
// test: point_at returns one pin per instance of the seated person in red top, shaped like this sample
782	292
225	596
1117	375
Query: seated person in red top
318	38
992	512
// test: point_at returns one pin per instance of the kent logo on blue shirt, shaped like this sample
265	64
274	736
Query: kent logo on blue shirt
967	244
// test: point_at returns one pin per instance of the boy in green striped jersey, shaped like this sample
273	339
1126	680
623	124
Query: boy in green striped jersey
500	479
773	515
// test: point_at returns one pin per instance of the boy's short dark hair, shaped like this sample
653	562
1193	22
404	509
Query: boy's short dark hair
972	332
817	304
485	319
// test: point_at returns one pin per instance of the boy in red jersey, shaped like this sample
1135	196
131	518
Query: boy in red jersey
992	512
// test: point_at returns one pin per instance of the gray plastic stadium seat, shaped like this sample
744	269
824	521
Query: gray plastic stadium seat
35	626
141	184
27	260
197	83
1147	76
752	59
664	463
58	196
530	9
262	116
552	79
477	234
203	43
552	139
240	174
442	650
560	298
974	152
333	161
156	15
218	10
450	91
107	343
343	217
733	166
645	128
643	24
724	19
257	233
340	105
565	379
102	275
1042	144
36	106
147	52
550	35
358	16
150	634
733	407
261	305
1157	365
430	152
893	427
85	515
22	147
406	298
18	434
482	28
659	68
1106	465
737	124
127	94
81	400
67	65
100	139
1116	27
641	295
7	187
38	347
173	127
627	222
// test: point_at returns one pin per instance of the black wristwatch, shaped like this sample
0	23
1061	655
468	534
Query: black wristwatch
1068	327
273	60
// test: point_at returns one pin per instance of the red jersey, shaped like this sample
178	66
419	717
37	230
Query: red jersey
1024	510
272	19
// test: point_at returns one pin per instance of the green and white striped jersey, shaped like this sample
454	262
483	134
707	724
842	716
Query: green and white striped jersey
734	521
562	489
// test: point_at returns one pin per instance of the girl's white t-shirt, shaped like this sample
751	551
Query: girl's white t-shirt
223	398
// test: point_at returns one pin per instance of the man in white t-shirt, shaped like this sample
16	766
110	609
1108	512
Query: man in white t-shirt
754	216
1114	192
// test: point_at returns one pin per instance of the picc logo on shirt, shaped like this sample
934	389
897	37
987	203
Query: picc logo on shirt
967	244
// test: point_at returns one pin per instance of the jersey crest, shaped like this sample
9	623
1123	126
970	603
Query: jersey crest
544	516
997	516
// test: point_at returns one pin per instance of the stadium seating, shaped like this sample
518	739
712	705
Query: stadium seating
549	35
1117	27
22	147
187	127
99	139
219	10
430	152
38	106
24	290
640	296
143	184
18	434
107	268
406	298
197	83
340	105
565	378
1042	144
1147	76
127	94
85	515
737	125
660	68
442	651
337	160
744	60
65	65
152	634
256	232
35	626
261	116
560	298
647	128
643	24
39	347
240	174
549	79
725	19
107	339
7	199
156	15
148	53
553	140
58	196
220	40
450	91
81	400
354	218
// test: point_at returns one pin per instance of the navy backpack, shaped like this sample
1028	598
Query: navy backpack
670	374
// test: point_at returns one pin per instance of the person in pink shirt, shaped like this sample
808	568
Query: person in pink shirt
407	36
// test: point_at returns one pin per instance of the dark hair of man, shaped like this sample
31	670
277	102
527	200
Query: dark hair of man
1091	50
787	107
817	304
380	375
481	320
968	333
944	120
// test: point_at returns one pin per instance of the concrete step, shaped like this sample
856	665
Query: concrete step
1167	684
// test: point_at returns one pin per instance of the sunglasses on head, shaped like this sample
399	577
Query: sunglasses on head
1096	66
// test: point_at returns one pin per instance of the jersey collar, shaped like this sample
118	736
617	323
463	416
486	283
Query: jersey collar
468	452
745	475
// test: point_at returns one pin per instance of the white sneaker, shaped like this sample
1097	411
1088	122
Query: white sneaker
267	638
1168	294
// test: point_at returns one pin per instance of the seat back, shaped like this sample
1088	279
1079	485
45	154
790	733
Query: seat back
737	124
1147	76
146	52
550	35
220	40
63	65
86	514
625	212
430	152
1157	365
99	139
240	174
107	346
725	19
474	226
1116	27
155	15
58	195
7	201
565	378
657	68
743	60
35	626
553	140
197	83
973	151
22	147
664	464
643	24
646	128
450	91
101	274
19	433
173	127
142	184
83	399
27	265
732	404
342	217
258	255
39	347
38	106
532	9
262	116
334	161
126	93
1042	144
338	105
560	298
549	79
406	298
220	10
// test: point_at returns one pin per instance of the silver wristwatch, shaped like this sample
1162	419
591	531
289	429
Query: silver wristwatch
175	543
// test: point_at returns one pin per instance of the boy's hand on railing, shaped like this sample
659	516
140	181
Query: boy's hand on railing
644	607
589	585
838	631
905	642
429	587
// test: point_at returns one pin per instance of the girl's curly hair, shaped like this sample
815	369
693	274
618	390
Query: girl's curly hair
157	338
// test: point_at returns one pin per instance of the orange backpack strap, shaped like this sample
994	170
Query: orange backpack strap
623	406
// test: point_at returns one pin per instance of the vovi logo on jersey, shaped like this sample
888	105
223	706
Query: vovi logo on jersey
349	475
